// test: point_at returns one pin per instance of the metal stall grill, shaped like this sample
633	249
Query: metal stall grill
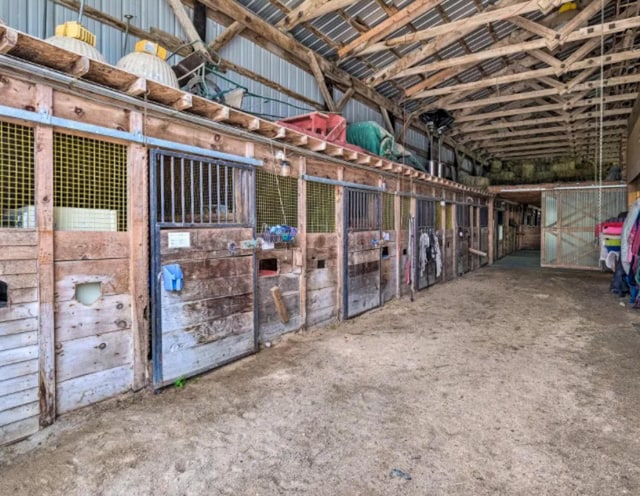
463	231
363	220
569	220
484	231
277	200
90	184
425	274
203	290
388	212
16	176
321	207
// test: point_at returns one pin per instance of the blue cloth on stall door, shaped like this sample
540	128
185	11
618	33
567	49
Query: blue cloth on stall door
172	277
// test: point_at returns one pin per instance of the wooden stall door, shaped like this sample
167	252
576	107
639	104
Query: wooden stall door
425	226
362	251
209	319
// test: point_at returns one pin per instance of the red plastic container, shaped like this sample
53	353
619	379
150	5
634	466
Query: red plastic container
329	127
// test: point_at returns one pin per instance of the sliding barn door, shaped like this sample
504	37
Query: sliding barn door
201	212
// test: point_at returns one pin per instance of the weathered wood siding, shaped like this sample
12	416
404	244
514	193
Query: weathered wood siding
363	272
388	268
94	347
322	278
210	321
529	238
19	397
449	255
288	280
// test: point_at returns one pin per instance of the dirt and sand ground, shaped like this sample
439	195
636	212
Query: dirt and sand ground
514	382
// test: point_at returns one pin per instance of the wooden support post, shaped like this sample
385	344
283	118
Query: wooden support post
302	239
413	208
322	83
137	178
279	303
492	230
340	235
397	214
478	234
454	239
46	281
188	27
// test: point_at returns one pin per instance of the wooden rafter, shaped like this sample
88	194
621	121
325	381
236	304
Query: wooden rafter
310	9
226	36
589	64
511	48
475	21
388	26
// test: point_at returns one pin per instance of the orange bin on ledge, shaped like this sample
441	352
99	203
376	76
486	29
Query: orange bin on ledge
329	127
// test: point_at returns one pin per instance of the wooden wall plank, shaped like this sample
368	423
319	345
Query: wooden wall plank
19	413
18	252
19	430
19	368
17	399
92	354
18	237
19	383
91	245
18	340
112	274
23	325
92	388
15	355
109	314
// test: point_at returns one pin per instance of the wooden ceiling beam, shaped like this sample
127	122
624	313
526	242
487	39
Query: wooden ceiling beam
475	20
399	19
310	9
223	39
429	49
591	134
588	64
267	36
545	108
544	130
547	120
634	78
501	49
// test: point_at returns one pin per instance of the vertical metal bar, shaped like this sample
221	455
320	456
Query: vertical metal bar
226	192
201	189
233	196
192	193
173	191
209	203
218	191
378	197
158	162
154	276
345	245
182	199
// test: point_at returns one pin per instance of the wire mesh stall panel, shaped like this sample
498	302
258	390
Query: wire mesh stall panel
90	184
94	355
363	219
202	269
322	253
484	233
463	241
569	220
426	239
403	243
389	248
19	368
279	277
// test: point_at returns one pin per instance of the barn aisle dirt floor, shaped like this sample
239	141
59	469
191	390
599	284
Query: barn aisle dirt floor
514	382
